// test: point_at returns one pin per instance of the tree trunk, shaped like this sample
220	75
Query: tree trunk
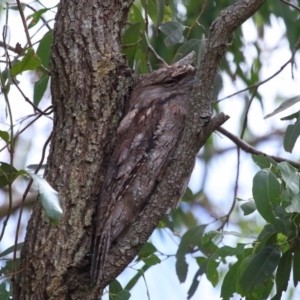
90	83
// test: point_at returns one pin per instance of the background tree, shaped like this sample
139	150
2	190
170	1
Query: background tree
90	84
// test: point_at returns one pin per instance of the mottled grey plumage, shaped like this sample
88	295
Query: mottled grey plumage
146	140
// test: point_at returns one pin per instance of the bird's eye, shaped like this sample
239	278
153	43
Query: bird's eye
170	81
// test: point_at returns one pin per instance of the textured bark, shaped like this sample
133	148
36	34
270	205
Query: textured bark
90	82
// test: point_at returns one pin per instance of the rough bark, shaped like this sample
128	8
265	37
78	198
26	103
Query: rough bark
90	82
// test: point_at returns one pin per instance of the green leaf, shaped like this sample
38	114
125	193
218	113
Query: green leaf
226	251
135	279
212	235
282	224
229	283
49	199
283	106
248	207
39	89
10	265
114	288
44	48
160	12
268	239
266	189
291	135
34	166
283	274
296	268
190	239
207	246
29	62
291	117
151	260
263	291
4	293
11	249
8	174
181	268
151	8
264	162
221	253
188	195
202	261
43	51
36	17
188	47
194	285
123	295
146	250
261	267
212	272
140	64
4	135
245	260
290	176
174	32
130	42
6	79
295	205
166	222
135	15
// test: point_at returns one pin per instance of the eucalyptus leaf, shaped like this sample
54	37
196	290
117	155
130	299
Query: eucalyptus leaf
29	62
261	267
266	189
174	32
283	106
291	135
283	273
296	268
248	207
49	199
11	249
4	135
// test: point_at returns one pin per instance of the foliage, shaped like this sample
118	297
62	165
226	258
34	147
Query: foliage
159	32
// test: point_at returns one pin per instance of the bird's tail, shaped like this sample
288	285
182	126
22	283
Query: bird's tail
102	244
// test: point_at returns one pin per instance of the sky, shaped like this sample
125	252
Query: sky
161	281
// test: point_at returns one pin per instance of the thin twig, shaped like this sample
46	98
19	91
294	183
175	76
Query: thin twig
24	23
236	184
146	16
132	44
27	126
245	122
17	49
146	30
249	149
256	85
291	4
24	96
11	148
41	17
17	86
197	19
154	52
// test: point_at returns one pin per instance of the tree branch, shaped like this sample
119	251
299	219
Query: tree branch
249	149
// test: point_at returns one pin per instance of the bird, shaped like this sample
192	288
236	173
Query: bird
146	140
